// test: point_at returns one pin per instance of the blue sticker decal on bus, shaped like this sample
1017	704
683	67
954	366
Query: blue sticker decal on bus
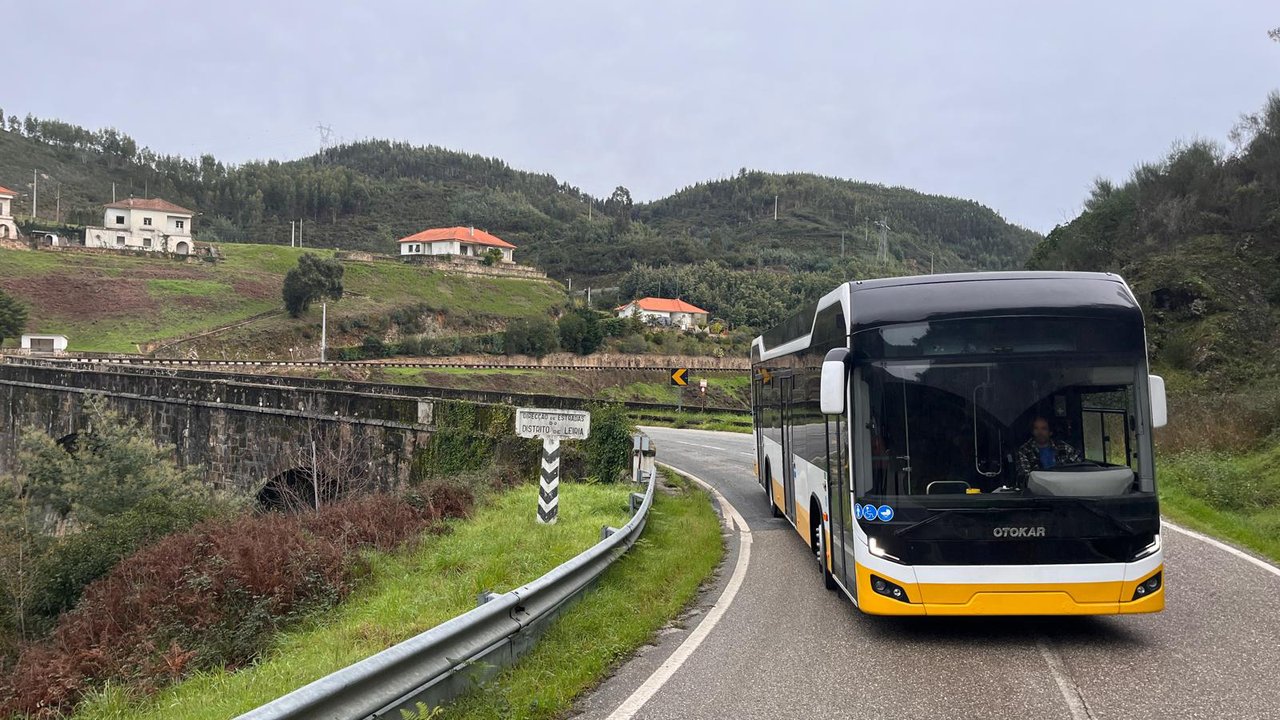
885	512
868	512
857	511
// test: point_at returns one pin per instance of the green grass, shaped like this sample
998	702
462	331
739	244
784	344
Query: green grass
658	392
642	592
130	300
723	390
195	288
1233	497
500	548
727	422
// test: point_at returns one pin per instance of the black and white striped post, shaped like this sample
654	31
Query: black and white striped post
551	426
549	487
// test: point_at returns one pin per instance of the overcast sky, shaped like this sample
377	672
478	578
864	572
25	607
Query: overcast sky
1015	104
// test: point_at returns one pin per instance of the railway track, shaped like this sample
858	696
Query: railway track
185	362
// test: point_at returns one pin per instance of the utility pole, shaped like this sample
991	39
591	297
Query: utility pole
775	207
35	191
315	474
113	192
293	238
324	328
299	232
57	204
883	254
930	262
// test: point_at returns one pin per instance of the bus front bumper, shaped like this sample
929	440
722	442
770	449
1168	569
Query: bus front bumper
1107	597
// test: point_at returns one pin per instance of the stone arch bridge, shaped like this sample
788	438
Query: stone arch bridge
246	430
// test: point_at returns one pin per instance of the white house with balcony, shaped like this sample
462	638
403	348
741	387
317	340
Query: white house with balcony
148	224
464	241
8	228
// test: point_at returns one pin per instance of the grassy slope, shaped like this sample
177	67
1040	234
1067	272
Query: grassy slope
110	303
500	548
642	592
1233	496
724	389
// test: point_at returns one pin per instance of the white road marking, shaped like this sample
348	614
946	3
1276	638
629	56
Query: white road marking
710	447
1223	546
654	683
1070	693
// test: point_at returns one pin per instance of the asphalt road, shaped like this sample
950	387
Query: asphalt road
783	647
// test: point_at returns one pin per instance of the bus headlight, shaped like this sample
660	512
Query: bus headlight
1150	549
874	548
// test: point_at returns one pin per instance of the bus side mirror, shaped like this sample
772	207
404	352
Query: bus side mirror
835	375
1159	403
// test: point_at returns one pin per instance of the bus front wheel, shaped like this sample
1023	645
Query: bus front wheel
768	490
819	545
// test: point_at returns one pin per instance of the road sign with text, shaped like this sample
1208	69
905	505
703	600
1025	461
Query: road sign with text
552	426
555	424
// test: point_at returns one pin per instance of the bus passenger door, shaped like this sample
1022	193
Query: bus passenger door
838	498
788	390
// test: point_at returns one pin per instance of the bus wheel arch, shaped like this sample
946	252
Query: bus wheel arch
818	541
768	488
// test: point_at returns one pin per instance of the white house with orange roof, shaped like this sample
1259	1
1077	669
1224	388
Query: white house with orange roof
465	241
143	224
8	227
664	311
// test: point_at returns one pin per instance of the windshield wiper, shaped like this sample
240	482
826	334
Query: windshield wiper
1089	505
939	512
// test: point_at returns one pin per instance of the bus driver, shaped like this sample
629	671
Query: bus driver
1042	452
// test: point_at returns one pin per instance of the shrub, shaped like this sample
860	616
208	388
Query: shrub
580	332
633	345
13	317
373	347
208	597
608	447
80	558
1223	482
536	337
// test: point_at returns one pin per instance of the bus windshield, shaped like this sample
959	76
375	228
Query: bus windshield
1033	425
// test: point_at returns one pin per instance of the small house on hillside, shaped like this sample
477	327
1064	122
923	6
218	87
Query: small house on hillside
465	241
8	228
143	224
664	311
44	343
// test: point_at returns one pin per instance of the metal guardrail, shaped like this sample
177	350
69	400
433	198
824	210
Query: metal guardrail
445	661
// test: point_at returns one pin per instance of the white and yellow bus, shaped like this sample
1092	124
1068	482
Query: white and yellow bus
893	428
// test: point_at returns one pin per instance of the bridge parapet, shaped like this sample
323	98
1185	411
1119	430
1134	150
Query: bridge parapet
240	429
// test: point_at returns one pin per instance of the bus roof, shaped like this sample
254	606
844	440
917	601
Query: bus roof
923	298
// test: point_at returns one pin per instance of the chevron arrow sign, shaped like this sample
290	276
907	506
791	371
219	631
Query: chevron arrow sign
549	484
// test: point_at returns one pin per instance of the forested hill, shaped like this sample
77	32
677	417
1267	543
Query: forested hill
1197	235
735	220
368	194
